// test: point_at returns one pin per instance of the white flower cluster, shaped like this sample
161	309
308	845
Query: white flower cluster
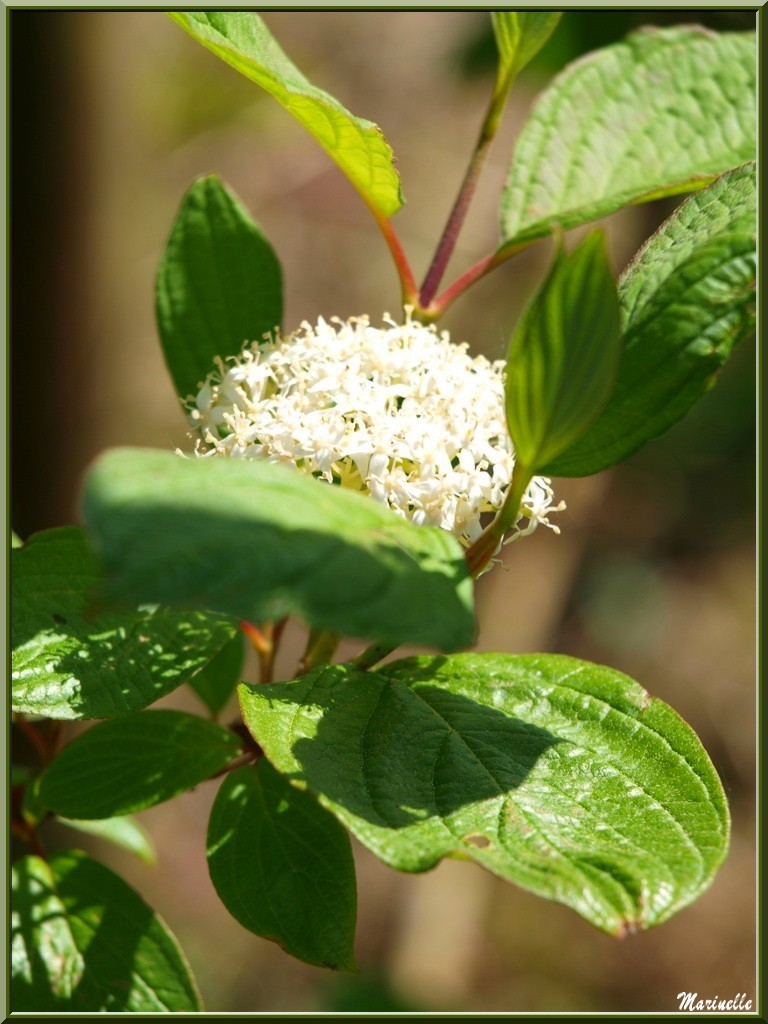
398	412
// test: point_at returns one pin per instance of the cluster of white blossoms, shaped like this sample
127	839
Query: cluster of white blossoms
398	412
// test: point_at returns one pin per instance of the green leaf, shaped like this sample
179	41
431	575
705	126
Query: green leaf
216	683
124	832
243	40
263	541
70	661
666	111
82	940
559	775
135	762
283	867
519	37
218	286
687	299
563	355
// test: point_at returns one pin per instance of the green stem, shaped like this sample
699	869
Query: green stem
484	548
320	649
373	654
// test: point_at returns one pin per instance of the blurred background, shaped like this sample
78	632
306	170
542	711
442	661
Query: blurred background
113	115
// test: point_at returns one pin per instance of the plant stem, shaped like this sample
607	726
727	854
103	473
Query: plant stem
373	654
320	649
458	213
408	287
266	640
35	737
486	545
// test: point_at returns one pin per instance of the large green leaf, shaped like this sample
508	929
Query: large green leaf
663	112
216	683
559	775
83	941
519	37
243	40
125	832
263	541
563	355
283	866
135	762
70	662
687	299
218	285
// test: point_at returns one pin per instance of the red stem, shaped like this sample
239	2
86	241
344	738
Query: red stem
409	289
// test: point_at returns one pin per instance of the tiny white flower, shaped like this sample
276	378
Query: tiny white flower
398	412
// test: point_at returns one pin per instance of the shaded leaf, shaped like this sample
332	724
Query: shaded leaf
263	541
283	866
135	762
664	112
559	775
563	355
358	147
219	284
687	299
216	683
83	940
69	661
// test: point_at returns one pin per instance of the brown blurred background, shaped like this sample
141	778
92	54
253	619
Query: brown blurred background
113	115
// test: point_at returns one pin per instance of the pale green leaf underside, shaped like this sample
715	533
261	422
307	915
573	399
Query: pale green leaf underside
262	541
282	866
83	940
135	762
71	661
559	775
663	112
124	832
358	147
687	299
218	287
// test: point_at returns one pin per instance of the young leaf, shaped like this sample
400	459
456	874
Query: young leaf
664	112
124	831
559	775
519	37
687	299
135	762
83	941
216	683
69	662
263	541
283	866
243	40
219	284
563	355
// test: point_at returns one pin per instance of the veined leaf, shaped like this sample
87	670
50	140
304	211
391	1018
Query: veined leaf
563	355
358	147
687	299
666	111
135	762
82	940
559	775
69	661
261	541
219	284
283	866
